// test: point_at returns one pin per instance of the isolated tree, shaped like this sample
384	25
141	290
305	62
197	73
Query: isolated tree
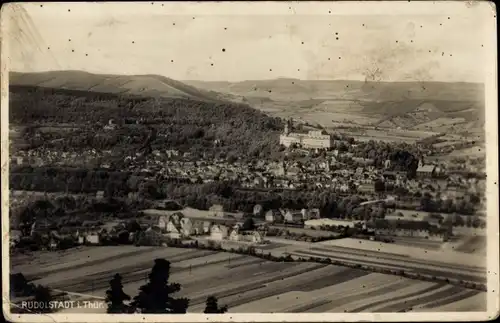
249	224
115	296
156	296
212	306
18	283
42	297
133	226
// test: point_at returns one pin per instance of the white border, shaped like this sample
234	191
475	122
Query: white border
485	9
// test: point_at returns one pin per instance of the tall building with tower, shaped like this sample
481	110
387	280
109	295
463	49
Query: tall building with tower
314	139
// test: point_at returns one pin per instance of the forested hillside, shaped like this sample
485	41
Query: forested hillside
75	120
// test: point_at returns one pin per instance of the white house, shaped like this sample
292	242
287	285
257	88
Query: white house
234	235
52	244
207	226
218	232
100	195
293	216
162	222
186	227
174	228
273	216
153	234
216	210
92	238
257	210
308	214
344	187
256	237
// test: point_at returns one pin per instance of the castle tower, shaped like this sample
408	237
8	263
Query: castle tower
288	126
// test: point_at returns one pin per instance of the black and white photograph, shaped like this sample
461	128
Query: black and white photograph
238	161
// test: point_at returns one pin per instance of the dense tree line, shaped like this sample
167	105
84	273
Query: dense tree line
72	180
68	211
403	156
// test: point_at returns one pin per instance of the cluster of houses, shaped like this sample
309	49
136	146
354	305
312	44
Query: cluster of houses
156	227
215	223
327	172
41	156
291	216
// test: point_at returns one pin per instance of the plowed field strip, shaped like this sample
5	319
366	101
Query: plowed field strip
245	263
374	291
89	263
279	286
345	275
399	258
431	272
426	290
407	304
84	284
346	300
452	299
103	265
249	286
310	306
472	304
210	279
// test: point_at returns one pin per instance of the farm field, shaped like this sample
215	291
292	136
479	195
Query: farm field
415	252
388	135
246	284
471	245
476	151
418	242
326	118
436	262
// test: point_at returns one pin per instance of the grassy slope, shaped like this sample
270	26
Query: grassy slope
146	85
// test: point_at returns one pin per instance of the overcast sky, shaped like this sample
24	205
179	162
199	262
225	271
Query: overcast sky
235	43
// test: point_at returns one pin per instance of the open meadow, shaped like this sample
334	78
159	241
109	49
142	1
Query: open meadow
246	284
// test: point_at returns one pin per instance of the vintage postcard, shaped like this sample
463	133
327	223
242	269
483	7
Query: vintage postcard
249	161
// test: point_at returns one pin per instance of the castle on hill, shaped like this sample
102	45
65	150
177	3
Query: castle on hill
313	139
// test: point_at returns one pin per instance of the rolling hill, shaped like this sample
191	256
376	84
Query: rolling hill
383	104
144	85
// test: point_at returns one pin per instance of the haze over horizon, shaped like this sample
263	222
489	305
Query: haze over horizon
150	38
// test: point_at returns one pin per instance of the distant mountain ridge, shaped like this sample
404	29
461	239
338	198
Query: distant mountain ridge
295	89
144	85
